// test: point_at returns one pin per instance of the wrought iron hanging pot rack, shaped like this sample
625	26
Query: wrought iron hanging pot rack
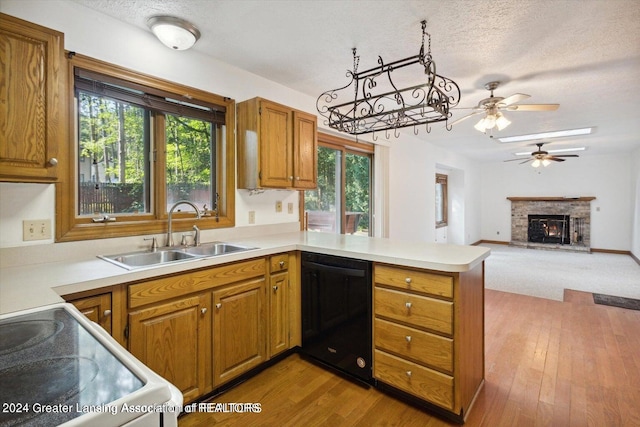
390	108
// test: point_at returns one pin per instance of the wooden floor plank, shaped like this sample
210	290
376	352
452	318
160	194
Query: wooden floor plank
547	363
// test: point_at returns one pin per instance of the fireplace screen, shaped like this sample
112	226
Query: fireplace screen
549	229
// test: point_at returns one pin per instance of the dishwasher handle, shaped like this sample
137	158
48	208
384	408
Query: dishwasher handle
352	272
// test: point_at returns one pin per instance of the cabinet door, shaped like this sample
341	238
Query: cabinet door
279	313
305	150
172	340
239	325
276	145
97	309
31	100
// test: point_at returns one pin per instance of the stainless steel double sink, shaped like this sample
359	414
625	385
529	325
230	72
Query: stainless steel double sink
168	255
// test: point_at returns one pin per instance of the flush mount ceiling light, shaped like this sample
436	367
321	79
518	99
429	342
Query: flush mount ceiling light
173	32
372	102
545	135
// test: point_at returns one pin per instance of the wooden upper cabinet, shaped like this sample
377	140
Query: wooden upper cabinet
32	100
277	146
305	150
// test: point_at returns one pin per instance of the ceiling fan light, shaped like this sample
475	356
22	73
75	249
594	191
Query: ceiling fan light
502	122
546	162
536	163
490	121
173	32
480	126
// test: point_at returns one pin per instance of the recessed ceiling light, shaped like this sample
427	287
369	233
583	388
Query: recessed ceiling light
545	135
558	150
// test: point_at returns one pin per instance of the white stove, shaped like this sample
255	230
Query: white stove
59	368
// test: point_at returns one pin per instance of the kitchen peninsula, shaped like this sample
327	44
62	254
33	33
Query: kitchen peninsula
428	303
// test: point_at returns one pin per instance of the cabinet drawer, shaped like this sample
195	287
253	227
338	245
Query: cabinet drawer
415	310
414	280
422	347
422	382
279	263
183	284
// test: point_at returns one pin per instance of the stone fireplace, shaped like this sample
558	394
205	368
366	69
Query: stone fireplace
551	222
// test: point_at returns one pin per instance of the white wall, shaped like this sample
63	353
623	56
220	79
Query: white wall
635	200
413	163
607	177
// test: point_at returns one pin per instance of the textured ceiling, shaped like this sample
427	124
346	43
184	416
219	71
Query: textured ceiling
582	54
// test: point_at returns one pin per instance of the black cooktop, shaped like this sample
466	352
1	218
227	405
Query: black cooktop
52	370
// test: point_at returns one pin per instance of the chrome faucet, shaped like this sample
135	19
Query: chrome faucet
170	228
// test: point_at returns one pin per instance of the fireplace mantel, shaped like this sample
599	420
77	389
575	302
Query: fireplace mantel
551	199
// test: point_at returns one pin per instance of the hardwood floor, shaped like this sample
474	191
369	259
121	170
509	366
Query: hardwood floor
547	363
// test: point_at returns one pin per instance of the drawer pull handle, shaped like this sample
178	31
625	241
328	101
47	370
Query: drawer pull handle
408	338
408	280
408	305
219	305
203	310
281	264
409	374
275	288
106	313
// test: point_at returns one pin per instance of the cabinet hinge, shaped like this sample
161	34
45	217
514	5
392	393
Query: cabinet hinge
260	175
260	111
126	331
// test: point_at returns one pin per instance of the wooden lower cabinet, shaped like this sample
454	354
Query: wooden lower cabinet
429	335
278	291
278	313
172	339
239	329
97	309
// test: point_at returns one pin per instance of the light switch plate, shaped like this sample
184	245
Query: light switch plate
290	208
279	206
36	229
252	217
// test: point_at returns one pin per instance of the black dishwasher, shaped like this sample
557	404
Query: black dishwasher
336	313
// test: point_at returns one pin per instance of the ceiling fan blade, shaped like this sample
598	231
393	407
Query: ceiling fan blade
566	155
527	161
465	117
517	97
516	160
533	107
555	159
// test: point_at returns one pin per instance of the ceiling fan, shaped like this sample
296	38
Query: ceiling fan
541	157
493	106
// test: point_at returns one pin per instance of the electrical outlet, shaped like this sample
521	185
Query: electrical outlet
290	208
279	206
252	217
36	229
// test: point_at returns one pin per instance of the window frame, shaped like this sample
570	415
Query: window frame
71	227
443	180
344	146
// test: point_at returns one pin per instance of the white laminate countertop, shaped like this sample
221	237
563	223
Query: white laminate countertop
35	285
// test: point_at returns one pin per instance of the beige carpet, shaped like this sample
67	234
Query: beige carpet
546	273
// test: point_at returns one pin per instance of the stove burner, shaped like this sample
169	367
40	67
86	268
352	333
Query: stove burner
64	378
18	336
